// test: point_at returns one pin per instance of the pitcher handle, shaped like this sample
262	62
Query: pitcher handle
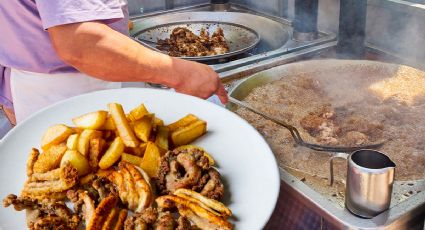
331	165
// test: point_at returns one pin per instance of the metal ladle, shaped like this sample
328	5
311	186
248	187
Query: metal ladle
297	137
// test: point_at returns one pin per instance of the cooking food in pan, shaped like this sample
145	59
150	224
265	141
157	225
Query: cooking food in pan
122	171
344	105
184	43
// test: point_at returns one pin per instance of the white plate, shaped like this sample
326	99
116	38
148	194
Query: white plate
244	159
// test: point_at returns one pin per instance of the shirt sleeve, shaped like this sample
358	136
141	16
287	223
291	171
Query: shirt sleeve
60	12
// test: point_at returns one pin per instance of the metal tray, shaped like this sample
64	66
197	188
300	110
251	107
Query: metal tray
239	38
405	207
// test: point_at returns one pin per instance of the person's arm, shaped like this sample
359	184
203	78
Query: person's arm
97	50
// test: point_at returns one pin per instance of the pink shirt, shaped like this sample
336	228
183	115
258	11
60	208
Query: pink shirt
25	43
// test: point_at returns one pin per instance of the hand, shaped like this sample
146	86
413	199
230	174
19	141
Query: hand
198	80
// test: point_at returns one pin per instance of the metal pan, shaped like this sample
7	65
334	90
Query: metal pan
239	38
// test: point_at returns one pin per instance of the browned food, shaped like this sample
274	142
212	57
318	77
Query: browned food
344	105
189	168
49	159
95	152
32	158
49	214
133	186
55	181
184	43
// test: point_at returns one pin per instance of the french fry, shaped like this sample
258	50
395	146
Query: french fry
186	135
84	140
135	160
143	128
185	121
109	124
206	154
77	160
93	120
54	135
124	129
151	159
72	141
161	139
49	159
113	154
95	152
157	121
137	151
137	113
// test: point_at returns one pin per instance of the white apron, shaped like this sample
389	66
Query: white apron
34	91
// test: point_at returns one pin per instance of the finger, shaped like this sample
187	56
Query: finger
222	93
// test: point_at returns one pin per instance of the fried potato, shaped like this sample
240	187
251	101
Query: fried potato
49	159
95	152
109	124
54	135
185	121
137	151
77	160
123	127
206	154
84	140
161	139
113	154
93	120
157	122
72	141
151	159
143	128
186	135
135	160
137	113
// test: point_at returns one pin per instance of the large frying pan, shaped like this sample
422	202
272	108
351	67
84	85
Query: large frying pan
239	38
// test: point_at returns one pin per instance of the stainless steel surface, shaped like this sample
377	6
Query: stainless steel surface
408	198
370	178
220	7
239	38
300	36
275	32
297	136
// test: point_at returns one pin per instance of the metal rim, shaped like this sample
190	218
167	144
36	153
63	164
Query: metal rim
203	58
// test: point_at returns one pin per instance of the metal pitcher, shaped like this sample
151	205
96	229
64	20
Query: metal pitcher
370	177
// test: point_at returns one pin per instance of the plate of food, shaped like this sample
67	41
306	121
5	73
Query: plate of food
135	159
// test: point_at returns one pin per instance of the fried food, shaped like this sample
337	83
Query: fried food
93	120
184	43
68	177
55	135
143	128
49	159
197	148
198	174
84	140
183	122
49	215
32	158
100	214
122	125
113	154
194	210
151	160
133	186
77	160
188	134
72	141
211	205
161	139
95	152
138	112
135	160
109	124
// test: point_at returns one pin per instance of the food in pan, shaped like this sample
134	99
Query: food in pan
355	105
122	171
184	43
